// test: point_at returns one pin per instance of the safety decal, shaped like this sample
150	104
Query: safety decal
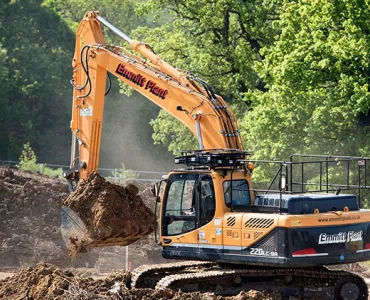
86	112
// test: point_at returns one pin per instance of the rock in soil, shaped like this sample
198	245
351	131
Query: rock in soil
112	214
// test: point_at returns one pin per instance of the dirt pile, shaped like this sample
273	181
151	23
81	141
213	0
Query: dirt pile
30	218
110	214
46	281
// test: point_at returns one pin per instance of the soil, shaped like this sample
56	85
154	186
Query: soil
30	218
46	281
112	214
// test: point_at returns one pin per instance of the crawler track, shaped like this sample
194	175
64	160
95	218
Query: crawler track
147	276
191	276
318	282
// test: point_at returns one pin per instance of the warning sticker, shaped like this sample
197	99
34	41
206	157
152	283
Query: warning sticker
86	112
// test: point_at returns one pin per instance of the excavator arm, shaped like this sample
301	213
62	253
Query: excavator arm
180	93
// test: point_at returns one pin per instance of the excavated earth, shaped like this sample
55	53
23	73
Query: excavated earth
111	214
46	281
30	218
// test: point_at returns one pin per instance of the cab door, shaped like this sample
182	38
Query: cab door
207	209
180	214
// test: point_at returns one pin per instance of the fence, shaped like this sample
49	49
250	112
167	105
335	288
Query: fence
144	176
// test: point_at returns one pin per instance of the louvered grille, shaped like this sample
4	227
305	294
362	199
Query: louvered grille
231	221
259	223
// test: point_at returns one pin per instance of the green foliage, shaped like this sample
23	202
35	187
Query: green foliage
318	96
173	133
28	162
35	55
295	72
117	12
123	174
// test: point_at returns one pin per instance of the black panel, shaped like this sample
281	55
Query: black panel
307	203
277	247
337	241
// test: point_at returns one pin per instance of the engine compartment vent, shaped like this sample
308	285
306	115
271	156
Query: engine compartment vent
258	223
230	221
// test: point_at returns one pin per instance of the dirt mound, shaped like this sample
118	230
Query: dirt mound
112	215
46	281
30	218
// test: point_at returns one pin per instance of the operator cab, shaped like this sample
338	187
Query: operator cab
189	202
188	195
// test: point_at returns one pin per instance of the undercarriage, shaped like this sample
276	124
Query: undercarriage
228	280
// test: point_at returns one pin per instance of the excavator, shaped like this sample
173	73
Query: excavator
225	235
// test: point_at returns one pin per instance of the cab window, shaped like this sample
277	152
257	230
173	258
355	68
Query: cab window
240	192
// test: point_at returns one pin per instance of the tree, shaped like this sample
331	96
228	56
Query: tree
35	61
119	13
4	111
317	75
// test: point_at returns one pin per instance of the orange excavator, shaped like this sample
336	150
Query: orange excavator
230	236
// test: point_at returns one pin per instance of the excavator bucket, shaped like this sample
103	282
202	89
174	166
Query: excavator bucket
100	214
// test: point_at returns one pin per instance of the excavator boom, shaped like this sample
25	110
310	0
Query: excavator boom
181	94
